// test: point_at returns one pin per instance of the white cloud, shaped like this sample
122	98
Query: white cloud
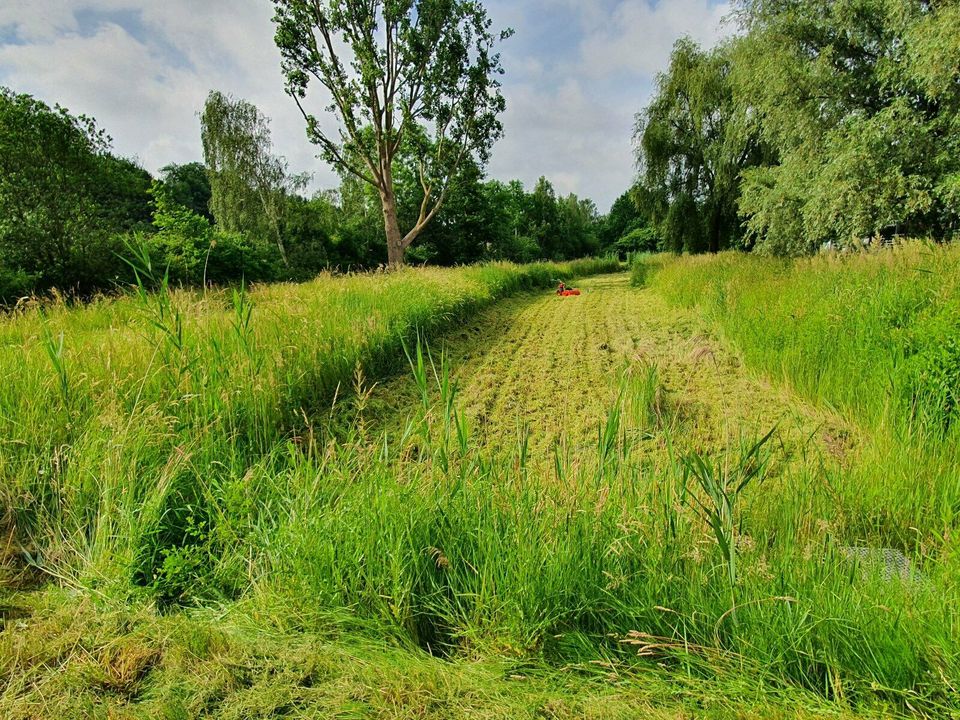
146	94
638	37
37	20
564	134
570	116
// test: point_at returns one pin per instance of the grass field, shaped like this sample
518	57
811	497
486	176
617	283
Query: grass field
876	336
604	506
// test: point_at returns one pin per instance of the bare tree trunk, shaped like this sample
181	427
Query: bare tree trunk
395	246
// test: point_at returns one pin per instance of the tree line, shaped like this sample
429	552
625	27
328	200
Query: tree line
70	208
823	123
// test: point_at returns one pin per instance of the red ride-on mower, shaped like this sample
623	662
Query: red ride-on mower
564	291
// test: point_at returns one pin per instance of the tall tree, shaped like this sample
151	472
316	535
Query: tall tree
861	98
63	197
422	72
693	143
541	219
249	184
624	217
578	223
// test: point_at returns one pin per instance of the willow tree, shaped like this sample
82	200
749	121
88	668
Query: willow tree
414	74
861	100
249	185
693	142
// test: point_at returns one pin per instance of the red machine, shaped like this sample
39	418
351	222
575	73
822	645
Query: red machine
564	291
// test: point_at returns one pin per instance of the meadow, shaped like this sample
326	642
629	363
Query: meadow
874	335
431	494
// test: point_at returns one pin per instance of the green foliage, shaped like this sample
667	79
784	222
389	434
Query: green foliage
189	186
309	228
418	75
858	101
183	237
249	185
624	217
481	220
693	142
195	253
63	197
16	284
266	229
823	122
644	239
122	195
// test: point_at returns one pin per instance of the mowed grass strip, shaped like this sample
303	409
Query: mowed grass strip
555	366
117	417
711	569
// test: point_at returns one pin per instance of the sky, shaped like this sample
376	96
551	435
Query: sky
577	72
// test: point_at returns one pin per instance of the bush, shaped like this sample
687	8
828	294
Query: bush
195	253
15	284
522	249
644	239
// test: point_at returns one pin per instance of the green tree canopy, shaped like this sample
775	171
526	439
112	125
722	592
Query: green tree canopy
624	217
861	99
418	72
62	198
693	142
189	185
249	184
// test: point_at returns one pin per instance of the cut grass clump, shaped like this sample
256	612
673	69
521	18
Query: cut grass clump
236	666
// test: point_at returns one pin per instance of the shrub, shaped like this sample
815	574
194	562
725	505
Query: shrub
15	284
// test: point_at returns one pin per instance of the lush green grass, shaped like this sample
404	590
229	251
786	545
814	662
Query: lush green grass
876	335
191	468
72	659
116	418
603	570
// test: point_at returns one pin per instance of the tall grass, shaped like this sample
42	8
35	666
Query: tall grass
187	463
874	335
117	418
440	542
